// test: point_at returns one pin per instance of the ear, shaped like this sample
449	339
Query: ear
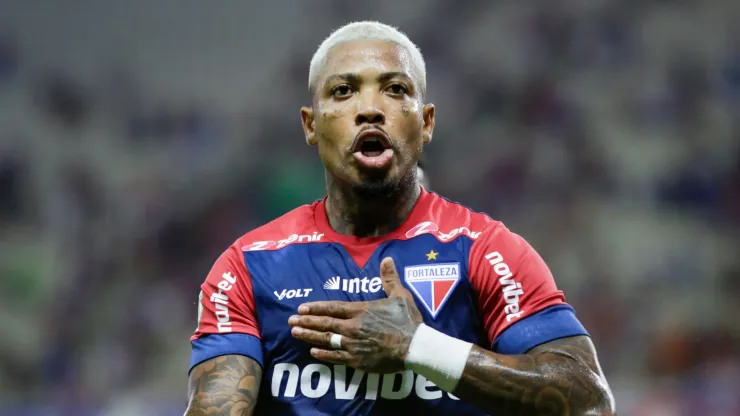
309	125
428	117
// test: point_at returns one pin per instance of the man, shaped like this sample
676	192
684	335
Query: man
308	314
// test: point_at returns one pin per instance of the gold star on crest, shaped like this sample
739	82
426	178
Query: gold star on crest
431	255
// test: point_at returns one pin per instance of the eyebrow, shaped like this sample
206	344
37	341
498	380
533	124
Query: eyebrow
353	78
347	77
387	76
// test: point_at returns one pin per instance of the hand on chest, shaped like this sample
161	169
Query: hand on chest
434	272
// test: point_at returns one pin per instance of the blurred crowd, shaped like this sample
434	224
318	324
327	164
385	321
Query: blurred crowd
132	152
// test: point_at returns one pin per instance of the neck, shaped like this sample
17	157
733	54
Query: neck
363	213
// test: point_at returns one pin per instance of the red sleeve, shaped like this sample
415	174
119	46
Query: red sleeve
226	303
511	279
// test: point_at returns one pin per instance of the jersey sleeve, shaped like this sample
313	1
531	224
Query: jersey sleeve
227	319
520	305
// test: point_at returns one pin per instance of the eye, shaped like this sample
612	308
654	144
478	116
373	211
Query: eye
397	89
341	91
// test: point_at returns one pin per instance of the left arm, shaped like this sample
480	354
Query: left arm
561	377
558	378
544	363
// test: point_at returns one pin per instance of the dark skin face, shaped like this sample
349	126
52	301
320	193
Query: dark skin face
368	84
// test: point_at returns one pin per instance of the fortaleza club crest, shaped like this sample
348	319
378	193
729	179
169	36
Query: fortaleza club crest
433	283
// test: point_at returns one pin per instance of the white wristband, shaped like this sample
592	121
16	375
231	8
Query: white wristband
438	357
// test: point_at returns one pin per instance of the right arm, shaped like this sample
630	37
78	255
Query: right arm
225	385
226	362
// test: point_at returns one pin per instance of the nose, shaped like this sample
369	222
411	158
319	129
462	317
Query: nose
370	113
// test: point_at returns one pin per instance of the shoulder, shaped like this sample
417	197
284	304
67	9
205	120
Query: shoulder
450	219
296	226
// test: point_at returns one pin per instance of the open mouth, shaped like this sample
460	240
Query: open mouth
372	149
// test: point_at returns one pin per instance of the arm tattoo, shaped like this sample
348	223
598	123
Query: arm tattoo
559	378
226	385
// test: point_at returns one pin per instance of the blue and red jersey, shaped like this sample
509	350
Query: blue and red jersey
471	278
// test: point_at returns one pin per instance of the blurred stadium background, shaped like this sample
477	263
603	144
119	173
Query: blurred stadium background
138	139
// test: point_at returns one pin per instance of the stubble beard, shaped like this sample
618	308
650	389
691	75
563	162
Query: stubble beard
381	185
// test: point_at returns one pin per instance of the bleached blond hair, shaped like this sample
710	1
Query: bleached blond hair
368	30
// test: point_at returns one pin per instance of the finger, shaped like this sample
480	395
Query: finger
337	309
332	356
389	276
318	323
318	338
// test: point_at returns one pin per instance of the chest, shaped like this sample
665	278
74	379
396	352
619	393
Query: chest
435	272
